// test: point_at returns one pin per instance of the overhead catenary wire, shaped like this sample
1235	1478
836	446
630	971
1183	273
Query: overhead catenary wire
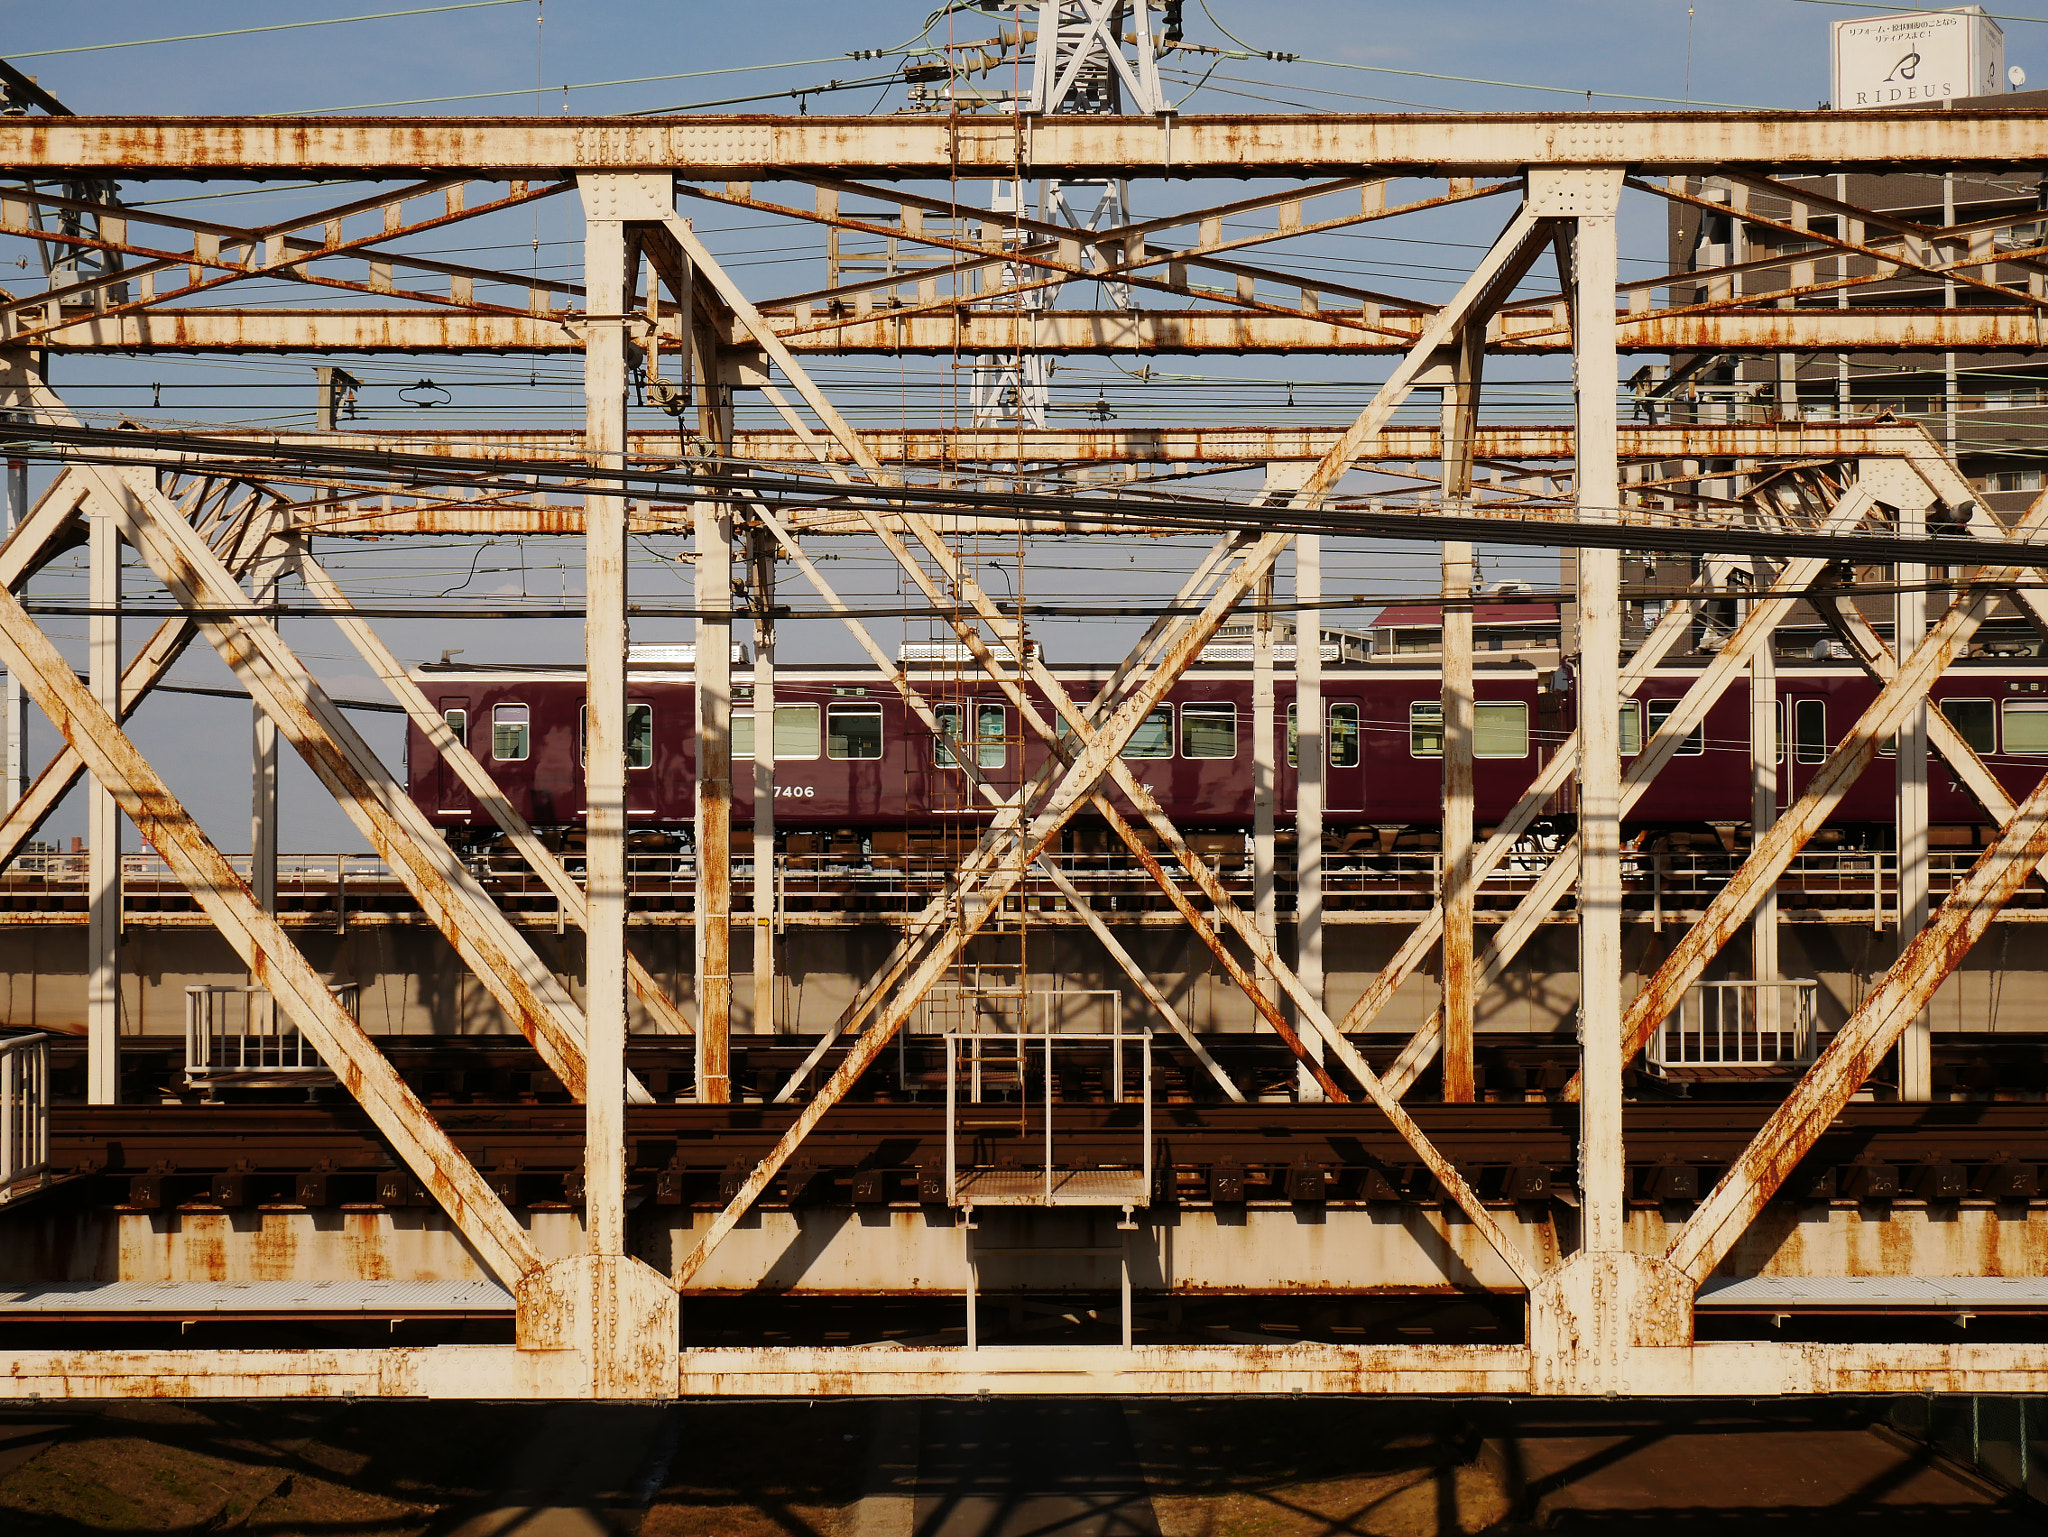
1629	528
281	26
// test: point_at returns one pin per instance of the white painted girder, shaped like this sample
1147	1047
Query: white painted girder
896	147
1056	332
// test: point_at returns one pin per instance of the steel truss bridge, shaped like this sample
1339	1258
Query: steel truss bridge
1598	1229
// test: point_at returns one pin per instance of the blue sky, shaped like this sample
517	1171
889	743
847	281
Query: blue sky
1745	52
1766	53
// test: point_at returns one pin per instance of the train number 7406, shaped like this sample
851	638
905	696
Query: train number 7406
794	792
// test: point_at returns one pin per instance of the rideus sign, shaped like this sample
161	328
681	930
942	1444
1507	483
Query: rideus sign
1915	57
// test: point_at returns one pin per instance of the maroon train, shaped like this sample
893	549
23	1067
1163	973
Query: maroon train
851	756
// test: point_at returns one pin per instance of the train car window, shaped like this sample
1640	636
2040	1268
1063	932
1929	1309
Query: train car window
950	718
853	731
1426	729
1695	741
1208	730
1500	730
991	732
796	732
1778	729
1810	730
1631	727
2026	728
1343	736
1154	736
458	722
511	732
1975	722
639	736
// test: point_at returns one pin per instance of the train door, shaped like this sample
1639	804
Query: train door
1343	757
1810	739
449	795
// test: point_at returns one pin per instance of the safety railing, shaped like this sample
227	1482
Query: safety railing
851	883
24	1114
1001	1087
1738	1029
235	1036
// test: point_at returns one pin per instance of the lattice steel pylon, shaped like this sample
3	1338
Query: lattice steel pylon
1079	67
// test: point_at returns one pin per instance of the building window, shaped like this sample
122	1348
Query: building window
511	732
2026	728
854	731
1695	743
796	733
1810	731
1154	736
1975	723
1500	730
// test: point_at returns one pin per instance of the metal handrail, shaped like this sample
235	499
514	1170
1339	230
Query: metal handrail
24	1112
1021	1042
265	1047
1739	1025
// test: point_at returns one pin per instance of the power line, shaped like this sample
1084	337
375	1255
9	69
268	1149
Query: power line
589	85
282	26
779	487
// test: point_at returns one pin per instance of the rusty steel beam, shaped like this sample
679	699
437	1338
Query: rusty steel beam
477	780
1774	852
502	958
1125	445
1424	936
274	962
1080	333
1055	798
1551	887
1232	968
714	148
1863	1040
1878	659
918	705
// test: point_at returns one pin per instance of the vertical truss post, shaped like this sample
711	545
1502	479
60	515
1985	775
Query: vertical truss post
1460	409
264	581
714	794
1591	197
1764	747
615	1312
103	825
1909	619
610	265
1265	903
761	565
1310	755
14	728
